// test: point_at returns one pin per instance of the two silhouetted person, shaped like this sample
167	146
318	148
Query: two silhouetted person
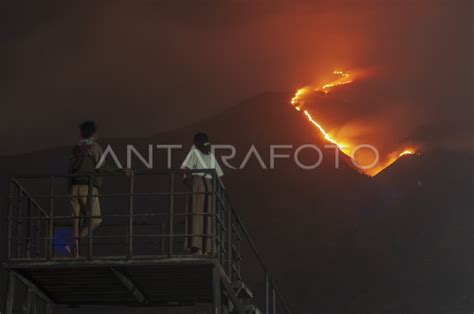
200	183
85	184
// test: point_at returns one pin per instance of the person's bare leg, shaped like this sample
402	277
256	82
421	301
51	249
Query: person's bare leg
85	231
95	215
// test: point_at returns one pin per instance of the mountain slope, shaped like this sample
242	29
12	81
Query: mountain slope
425	260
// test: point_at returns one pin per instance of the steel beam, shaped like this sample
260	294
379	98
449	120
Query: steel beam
28	301
33	288
130	286
237	303
10	293
216	290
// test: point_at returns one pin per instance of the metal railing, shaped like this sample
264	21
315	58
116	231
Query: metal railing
145	215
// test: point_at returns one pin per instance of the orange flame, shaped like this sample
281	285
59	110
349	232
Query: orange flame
326	135
389	160
344	79
297	102
407	152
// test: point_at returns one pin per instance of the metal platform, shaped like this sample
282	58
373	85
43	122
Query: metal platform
137	257
170	281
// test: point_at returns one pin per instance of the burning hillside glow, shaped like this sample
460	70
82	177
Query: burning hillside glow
362	159
407	152
326	135
388	160
344	78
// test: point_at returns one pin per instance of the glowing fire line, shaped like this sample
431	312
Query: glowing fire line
407	152
344	78
326	135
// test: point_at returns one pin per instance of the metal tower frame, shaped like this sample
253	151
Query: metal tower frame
132	277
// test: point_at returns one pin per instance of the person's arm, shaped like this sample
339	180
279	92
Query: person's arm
219	171
216	166
189	164
97	153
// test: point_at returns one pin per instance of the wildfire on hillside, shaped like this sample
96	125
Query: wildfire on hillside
369	161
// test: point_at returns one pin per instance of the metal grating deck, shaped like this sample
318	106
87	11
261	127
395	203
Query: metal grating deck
160	283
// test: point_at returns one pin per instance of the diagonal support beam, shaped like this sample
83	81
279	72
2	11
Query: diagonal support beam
28	301
33	288
130	286
10	293
216	287
240	308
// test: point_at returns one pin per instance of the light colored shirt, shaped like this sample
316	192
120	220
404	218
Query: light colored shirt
198	160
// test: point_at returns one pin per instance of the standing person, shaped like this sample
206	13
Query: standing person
200	183
85	156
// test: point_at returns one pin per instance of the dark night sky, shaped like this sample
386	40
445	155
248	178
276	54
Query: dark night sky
143	66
